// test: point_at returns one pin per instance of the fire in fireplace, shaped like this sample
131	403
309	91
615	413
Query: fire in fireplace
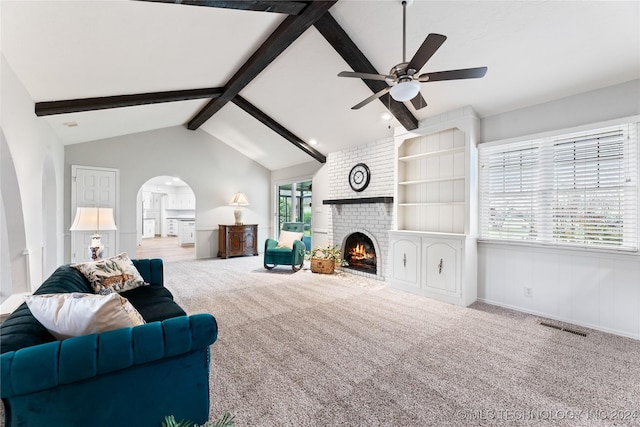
360	253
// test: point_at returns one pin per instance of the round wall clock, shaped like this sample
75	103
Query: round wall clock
359	177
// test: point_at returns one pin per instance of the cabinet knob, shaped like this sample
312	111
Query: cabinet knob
440	267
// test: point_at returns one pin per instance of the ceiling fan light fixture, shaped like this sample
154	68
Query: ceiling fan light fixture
404	91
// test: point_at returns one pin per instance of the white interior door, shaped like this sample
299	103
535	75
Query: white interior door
93	187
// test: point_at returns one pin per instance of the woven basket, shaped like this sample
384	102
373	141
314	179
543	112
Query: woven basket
323	266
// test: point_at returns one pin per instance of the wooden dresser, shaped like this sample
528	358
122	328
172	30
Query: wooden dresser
236	240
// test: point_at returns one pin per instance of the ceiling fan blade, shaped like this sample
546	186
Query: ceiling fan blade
371	98
467	73
418	101
429	46
367	76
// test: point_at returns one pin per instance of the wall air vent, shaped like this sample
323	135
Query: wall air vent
560	328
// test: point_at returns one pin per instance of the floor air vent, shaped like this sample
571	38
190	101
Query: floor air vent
560	328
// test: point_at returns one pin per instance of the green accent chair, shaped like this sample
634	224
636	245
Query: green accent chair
274	255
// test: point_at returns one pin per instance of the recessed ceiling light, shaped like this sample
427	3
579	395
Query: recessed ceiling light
70	124
386	116
313	142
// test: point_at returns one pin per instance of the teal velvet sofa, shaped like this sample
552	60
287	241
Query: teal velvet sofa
125	377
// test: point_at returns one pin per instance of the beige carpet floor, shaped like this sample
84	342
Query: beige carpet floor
305	349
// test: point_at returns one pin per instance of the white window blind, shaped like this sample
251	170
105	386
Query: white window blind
576	190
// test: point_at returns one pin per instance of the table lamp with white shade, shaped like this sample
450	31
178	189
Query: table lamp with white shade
239	199
94	219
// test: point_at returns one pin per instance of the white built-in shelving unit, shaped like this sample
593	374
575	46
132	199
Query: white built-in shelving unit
433	248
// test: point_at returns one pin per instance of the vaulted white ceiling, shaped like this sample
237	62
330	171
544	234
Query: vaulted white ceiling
536	51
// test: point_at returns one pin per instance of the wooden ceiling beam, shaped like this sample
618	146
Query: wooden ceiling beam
286	33
282	6
278	128
49	108
347	49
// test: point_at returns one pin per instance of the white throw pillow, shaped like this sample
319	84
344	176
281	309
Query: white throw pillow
287	238
75	314
115	274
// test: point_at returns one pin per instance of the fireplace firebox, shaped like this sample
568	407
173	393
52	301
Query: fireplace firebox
360	254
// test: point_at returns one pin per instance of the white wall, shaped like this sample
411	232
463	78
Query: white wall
600	105
33	147
594	289
212	169
320	218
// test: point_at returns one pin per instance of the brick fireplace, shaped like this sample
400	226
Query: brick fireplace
368	213
372	220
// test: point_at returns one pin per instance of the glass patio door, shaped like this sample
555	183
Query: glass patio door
294	205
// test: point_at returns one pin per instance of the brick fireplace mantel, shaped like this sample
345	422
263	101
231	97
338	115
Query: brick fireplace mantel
358	201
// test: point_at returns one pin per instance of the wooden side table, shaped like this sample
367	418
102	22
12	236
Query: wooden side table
237	240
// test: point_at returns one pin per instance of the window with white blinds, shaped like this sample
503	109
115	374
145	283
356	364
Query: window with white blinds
576	190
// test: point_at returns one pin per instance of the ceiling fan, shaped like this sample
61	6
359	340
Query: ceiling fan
403	79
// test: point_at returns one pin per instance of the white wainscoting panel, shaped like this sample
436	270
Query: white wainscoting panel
598	290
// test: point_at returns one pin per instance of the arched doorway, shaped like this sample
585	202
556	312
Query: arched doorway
166	217
14	262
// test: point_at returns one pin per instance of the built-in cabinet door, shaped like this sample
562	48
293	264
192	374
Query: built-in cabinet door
181	201
146	200
405	266
185	201
186	234
172	201
441	266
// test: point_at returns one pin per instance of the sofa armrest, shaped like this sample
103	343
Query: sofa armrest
270	244
299	247
151	270
49	365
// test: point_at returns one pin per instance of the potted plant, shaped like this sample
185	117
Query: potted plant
324	260
227	420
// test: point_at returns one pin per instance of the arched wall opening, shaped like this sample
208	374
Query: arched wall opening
14	257
166	218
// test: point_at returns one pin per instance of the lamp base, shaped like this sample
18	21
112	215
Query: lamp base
96	253
96	249
237	213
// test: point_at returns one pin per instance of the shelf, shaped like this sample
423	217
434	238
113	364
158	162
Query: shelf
432	204
431	154
431	180
357	201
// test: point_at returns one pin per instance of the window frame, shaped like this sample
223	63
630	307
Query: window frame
541	233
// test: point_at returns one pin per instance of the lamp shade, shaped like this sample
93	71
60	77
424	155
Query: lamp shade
93	219
405	91
239	199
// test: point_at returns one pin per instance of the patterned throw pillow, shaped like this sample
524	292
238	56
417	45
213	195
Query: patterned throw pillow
117	274
75	314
